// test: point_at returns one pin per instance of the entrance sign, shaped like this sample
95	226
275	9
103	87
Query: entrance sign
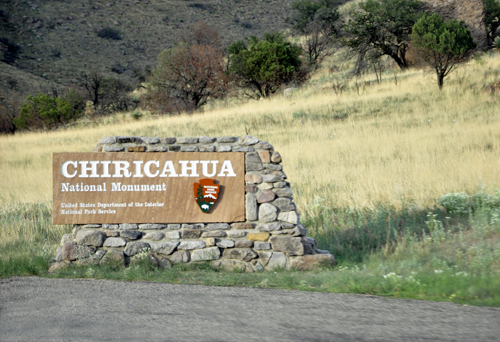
225	200
117	187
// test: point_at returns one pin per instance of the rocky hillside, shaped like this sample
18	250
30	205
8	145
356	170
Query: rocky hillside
48	42
44	43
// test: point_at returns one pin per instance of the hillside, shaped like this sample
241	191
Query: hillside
51	42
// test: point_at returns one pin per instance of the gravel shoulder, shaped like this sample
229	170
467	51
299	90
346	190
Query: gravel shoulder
41	309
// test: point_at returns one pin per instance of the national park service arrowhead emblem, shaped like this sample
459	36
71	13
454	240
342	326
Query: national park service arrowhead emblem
206	193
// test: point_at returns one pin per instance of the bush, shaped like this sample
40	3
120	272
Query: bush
45	111
206	7
109	33
246	24
262	66
442	45
496	43
9	51
455	203
492	18
461	203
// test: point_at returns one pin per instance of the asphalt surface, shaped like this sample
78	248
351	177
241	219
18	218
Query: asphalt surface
39	309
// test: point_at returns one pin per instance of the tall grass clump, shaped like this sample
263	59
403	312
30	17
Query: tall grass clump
27	238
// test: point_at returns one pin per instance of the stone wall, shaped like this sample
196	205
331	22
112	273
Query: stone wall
272	235
472	12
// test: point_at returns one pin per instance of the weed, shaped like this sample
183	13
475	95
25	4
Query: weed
136	115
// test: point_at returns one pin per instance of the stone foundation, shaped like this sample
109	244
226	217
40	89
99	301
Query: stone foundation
271	236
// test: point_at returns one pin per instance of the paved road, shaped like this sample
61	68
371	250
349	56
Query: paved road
38	309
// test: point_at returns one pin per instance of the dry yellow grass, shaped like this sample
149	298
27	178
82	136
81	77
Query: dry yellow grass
392	143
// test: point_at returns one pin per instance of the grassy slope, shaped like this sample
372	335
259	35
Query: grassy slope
365	170
391	143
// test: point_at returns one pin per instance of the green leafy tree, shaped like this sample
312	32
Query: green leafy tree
262	66
382	27
317	21
442	45
45	111
492	18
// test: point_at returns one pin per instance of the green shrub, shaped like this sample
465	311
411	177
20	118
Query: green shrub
205	7
10	51
45	111
442	45
455	203
461	203
262	66
136	115
496	43
109	33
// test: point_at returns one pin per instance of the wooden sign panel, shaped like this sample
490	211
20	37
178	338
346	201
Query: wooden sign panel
127	187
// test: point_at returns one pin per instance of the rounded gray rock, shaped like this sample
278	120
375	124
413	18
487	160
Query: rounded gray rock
248	140
90	238
135	247
267	212
225	244
131	234
166	248
155	236
188	245
115	242
211	253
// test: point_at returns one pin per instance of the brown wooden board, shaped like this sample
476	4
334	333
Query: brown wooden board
154	188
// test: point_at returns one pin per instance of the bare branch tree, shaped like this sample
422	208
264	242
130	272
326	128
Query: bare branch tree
190	74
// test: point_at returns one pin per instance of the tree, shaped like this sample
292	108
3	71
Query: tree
492	18
107	94
115	95
201	34
93	82
45	111
316	20
442	45
189	74
382	27
262	66
6	117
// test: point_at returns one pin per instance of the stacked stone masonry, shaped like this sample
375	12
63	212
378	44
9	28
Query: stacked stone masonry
271	237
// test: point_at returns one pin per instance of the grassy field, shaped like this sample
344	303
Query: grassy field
368	169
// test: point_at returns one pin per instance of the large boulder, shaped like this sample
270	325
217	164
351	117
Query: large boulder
135	247
165	248
71	252
211	253
288	245
244	254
